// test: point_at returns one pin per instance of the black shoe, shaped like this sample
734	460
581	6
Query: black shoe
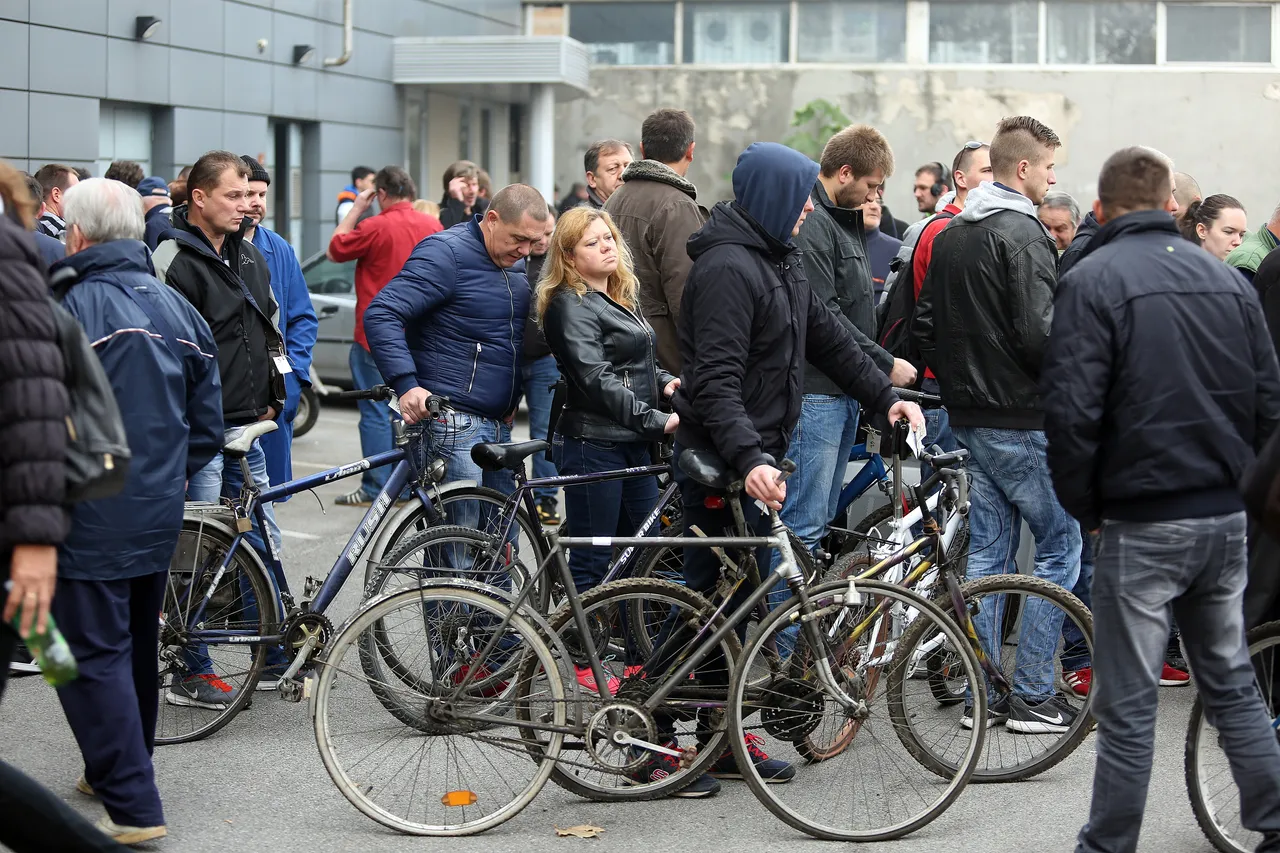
997	713
548	512
1047	716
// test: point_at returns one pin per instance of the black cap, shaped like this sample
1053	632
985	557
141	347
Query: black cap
256	170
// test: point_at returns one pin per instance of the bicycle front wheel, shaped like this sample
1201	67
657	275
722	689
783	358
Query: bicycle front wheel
871	788
462	766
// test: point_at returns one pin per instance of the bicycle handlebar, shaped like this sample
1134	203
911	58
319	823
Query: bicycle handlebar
931	400
377	392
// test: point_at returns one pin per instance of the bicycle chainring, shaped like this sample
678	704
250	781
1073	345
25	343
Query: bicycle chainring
628	720
792	710
302	626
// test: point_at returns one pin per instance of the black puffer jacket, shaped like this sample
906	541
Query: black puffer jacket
535	342
607	355
983	315
1088	227
33	402
246	335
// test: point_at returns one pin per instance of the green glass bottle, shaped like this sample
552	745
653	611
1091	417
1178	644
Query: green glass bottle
50	649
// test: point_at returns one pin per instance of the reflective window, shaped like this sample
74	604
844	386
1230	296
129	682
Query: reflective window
736	33
1204	33
851	31
984	32
626	33
1084	33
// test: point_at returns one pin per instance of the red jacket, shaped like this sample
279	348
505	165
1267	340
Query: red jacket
923	253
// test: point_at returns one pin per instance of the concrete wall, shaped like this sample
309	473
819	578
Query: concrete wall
1216	125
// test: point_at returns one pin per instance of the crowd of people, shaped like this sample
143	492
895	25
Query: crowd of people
1112	376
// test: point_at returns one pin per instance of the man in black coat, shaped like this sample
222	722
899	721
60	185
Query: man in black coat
1160	382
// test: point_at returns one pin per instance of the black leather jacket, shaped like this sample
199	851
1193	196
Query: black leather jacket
606	354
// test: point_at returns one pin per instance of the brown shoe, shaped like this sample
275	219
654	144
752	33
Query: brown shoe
83	786
131	835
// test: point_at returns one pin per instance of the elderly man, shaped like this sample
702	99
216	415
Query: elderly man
161	359
1060	214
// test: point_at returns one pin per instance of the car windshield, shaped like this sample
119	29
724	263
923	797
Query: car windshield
326	277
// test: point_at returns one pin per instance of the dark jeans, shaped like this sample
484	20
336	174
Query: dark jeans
613	508
112	629
1144	575
375	420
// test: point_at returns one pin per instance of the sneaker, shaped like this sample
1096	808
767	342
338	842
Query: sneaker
1079	680
484	691
356	498
130	834
658	767
771	770
548	512
587	679
1047	716
997	713
83	786
22	662
1171	676
201	691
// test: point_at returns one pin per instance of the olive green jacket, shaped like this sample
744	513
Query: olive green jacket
1249	254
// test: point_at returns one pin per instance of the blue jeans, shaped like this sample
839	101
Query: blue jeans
937	429
613	508
452	436
1010	482
1075	651
375	420
1193	569
539	376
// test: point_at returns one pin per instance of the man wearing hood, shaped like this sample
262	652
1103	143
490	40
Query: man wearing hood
748	323
1160	383
982	325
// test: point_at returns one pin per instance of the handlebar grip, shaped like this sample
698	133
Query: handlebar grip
377	392
920	397
787	468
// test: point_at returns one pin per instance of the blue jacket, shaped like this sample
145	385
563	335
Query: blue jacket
452	321
171	402
51	251
158	222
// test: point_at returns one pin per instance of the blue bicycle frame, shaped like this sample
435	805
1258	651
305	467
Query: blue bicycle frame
872	473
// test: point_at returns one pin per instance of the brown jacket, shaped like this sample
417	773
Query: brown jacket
657	212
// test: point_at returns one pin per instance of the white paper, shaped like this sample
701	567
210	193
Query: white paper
915	440
282	364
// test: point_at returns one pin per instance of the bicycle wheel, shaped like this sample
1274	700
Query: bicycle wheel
461	768
202	687
691	717
1026	745
1215	799
871	789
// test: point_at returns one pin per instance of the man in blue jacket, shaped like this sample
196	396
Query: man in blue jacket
295	318
1159	383
452	323
162	362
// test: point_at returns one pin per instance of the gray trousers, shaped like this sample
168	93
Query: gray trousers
1192	569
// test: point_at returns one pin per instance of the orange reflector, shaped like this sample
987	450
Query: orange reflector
458	798
713	502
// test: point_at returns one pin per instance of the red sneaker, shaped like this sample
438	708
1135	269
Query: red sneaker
478	687
1079	680
587	679
1171	677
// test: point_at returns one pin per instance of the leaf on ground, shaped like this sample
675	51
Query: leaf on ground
585	830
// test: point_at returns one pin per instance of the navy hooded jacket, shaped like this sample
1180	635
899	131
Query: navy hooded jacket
749	321
165	377
452	322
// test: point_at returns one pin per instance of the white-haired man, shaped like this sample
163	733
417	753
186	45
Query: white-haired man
161	359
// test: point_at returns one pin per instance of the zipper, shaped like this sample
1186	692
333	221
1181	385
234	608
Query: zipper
511	301
626	379
475	365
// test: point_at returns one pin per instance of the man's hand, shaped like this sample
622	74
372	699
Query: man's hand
762	484
673	423
363	200
671	387
457	188
903	373
270	415
33	572
910	411
413	405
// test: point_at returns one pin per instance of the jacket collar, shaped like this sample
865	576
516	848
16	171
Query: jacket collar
846	216
652	170
116	256
1138	222
192	236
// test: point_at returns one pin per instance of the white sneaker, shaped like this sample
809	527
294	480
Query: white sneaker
130	834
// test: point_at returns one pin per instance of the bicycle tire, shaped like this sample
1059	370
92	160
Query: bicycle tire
184	723
1208	816
598	602
797	690
329	708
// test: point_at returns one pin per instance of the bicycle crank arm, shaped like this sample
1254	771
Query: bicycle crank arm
623	739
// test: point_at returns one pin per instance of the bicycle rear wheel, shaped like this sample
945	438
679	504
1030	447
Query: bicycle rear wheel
462	766
870	789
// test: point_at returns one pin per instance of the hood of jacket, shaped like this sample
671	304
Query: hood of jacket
113	257
652	170
1138	222
989	198
771	184
729	224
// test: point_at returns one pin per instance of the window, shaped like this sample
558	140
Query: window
984	32
626	33
124	133
736	33
848	31
1203	33
325	277
1083	33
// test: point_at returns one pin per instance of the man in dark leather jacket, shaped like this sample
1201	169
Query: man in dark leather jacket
982	324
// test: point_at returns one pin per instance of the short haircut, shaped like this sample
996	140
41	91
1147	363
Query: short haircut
483	180
1185	189
1020	138
207	172
54	176
965	157
936	171
460	169
1059	200
666	135
360	173
178	191
860	147
1135	178
514	201
83	174
105	210
591	160
126	172
37	191
396	183
184	174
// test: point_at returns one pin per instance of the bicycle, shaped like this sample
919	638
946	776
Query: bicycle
491	685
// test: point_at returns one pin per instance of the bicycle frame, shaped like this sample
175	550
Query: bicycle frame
873	472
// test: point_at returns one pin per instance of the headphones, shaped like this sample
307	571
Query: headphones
939	189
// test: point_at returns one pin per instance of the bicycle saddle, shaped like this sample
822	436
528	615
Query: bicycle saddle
237	440
706	467
492	456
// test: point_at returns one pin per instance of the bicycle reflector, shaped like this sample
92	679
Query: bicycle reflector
458	798
713	502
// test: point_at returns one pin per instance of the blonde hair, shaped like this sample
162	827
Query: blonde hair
558	274
430	208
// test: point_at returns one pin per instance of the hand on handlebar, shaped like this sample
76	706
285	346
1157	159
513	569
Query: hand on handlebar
762	484
413	405
910	411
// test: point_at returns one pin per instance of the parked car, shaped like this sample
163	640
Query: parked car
333	293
